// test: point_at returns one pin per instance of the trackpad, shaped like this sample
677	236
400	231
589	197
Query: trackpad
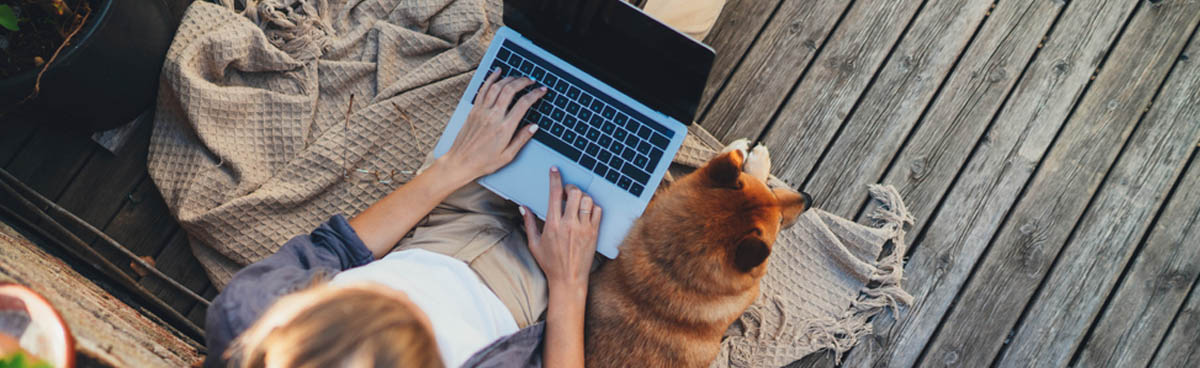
527	179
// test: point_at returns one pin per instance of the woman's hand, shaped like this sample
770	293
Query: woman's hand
486	142
567	243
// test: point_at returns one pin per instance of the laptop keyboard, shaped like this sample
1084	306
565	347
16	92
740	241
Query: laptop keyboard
589	127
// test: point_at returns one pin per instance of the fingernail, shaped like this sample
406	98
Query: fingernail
522	209
543	89
533	128
534	80
496	70
554	169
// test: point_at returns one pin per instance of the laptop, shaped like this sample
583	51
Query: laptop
623	89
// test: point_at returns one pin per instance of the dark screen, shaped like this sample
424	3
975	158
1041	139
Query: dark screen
620	45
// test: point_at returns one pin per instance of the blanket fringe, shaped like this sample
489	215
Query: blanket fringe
300	28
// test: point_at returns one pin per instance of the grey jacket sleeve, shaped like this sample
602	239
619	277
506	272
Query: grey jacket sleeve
331	248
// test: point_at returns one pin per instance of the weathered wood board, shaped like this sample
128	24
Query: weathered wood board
1041	223
1179	348
736	29
992	179
105	329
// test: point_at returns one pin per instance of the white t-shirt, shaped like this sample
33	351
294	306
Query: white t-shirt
466	315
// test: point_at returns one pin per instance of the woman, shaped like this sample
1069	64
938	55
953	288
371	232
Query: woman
360	293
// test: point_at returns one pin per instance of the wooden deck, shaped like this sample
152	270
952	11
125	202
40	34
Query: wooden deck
1047	149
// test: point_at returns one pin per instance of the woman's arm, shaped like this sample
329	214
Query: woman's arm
565	249
485	144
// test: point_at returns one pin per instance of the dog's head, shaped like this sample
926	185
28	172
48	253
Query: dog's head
720	223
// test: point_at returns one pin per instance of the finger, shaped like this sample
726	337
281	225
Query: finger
519	141
531	230
481	96
554	210
585	209
496	90
574	195
522	106
510	90
597	212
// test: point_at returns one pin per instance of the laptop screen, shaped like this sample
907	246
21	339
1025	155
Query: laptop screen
622	46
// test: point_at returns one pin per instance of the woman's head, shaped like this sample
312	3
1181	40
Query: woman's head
351	326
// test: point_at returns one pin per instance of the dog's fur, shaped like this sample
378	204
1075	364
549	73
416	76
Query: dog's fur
689	267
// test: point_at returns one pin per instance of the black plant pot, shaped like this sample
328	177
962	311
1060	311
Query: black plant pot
106	76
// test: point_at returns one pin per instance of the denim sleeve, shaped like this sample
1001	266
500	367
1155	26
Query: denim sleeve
331	248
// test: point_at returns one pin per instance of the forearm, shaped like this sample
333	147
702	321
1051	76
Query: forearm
564	327
384	223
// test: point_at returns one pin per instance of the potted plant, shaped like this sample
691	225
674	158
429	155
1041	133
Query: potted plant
88	64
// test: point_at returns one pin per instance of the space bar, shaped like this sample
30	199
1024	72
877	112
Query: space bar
557	145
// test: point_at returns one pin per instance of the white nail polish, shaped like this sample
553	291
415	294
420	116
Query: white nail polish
532	128
522	209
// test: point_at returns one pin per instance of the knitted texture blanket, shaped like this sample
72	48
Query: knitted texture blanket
274	114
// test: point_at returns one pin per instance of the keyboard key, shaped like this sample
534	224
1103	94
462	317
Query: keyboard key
587	162
621	119
557	130
609	112
615	162
568	136
561	101
624	183
562	86
597	121
616	147
593	134
660	141
604	156
643	148
573	108
608	128
573	93
628	154
569	122
550	80
559	146
580	142
544	107
592	149
526	67
581	127
640	162
584	114
612	176
645	132
597	106
600	169
604	141
620	134
558	115
545	122
631	140
538	74
636	189
585	99
633	172
503	55
655	155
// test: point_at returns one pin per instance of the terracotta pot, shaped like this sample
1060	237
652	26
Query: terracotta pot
29	321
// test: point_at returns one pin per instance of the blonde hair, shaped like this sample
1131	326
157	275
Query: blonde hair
325	326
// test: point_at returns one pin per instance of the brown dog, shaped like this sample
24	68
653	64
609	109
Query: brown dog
689	267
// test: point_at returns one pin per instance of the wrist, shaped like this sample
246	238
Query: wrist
568	290
449	171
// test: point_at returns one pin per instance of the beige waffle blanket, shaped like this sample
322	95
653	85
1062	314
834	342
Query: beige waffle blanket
256	140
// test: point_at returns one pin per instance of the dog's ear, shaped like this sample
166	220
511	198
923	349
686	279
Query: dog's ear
723	170
750	253
791	205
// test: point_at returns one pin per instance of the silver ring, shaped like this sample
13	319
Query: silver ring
586	212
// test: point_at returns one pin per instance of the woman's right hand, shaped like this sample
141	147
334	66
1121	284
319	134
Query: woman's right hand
566	245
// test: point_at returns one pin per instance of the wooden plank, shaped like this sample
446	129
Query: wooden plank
1039	225
1179	348
892	105
143	225
104	328
199	312
1103	243
51	159
113	176
771	68
13	140
736	28
992	179
837	79
1147	299
176	261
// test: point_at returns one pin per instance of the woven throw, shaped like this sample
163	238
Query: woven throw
273	115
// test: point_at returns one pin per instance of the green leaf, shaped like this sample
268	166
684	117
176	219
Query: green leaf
8	19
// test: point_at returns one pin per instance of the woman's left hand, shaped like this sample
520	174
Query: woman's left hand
486	142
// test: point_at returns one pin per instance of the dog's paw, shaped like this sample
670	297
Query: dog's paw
742	144
758	163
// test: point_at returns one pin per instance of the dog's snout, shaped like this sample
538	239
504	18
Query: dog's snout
808	201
